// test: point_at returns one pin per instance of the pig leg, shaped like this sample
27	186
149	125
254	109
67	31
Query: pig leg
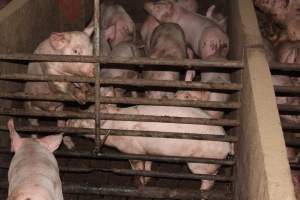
141	165
199	168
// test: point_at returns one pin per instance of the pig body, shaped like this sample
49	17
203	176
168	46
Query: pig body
122	50
151	23
33	172
167	42
204	35
164	146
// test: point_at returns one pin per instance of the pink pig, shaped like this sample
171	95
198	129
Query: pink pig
163	146
151	23
205	36
33	173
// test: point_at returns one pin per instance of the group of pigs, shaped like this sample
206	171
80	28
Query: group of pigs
172	30
284	48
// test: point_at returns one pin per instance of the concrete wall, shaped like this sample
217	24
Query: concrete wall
263	166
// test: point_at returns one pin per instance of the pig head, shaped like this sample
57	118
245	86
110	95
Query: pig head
33	172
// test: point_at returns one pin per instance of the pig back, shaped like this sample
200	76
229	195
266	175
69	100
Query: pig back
34	164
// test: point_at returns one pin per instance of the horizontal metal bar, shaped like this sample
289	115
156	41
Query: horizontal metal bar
130	172
130	82
290	126
115	156
183	63
126	100
287	89
289	109
145	192
91	131
284	66
120	117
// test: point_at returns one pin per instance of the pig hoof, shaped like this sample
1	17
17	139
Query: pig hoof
207	185
68	142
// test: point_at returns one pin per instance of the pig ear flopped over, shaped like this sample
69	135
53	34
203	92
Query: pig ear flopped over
59	40
51	142
16	141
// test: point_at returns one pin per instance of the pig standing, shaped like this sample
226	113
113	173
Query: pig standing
204	35
164	146
33	173
67	43
167	41
151	23
285	13
121	26
122	50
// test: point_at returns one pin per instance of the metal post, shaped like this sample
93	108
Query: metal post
97	78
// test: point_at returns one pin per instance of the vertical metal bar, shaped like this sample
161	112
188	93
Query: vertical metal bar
97	78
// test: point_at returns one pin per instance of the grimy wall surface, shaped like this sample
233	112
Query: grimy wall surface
264	153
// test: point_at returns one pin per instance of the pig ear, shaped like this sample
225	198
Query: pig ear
210	10
110	33
58	40
51	142
89	30
16	141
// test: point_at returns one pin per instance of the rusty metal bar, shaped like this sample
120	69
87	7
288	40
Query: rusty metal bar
290	109
290	126
182	63
287	89
97	78
130	172
145	192
127	100
131	82
121	117
284	67
157	134
119	156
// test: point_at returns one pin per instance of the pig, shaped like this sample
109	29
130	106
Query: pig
33	173
285	13
122	50
205	36
67	43
217	17
117	20
151	23
3	3
163	146
167	41
288	52
295	174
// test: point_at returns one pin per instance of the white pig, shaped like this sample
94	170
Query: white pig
33	173
167	42
151	23
164	146
204	35
122	50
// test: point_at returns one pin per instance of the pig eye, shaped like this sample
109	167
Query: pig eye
76	51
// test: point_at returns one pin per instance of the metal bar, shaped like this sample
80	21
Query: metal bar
130	172
182	63
97	79
126	100
145	192
119	156
90	131
121	117
287	89
290	126
289	109
284	66
130	82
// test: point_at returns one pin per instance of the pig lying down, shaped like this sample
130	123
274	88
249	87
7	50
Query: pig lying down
163	146
33	173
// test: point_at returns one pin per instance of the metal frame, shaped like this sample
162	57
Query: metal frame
229	66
